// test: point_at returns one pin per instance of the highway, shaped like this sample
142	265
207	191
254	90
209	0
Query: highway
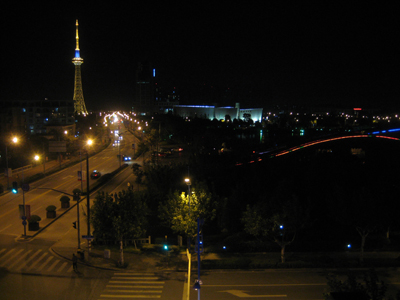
48	190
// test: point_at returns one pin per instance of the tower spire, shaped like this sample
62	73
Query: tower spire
77	54
79	102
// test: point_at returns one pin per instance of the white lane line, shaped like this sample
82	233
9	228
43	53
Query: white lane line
136	286
10	258
149	282
5	227
20	258
53	265
29	259
62	267
37	261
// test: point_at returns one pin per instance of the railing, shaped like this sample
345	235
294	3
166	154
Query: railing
20	170
126	242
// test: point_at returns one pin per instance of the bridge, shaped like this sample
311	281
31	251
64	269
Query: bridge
279	152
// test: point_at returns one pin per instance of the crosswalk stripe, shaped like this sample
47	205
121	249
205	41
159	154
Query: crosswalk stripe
29	259
20	258
45	263
136	286
130	296
133	285
62	267
36	262
53	265
149	282
134	291
23	259
8	253
133	273
10	258
135	278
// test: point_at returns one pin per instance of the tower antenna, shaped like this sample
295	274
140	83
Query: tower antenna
79	102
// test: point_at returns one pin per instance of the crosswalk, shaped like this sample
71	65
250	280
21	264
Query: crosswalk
22	260
133	285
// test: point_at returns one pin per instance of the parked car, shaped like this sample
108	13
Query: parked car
95	174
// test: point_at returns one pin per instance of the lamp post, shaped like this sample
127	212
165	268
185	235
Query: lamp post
187	180
14	140
89	143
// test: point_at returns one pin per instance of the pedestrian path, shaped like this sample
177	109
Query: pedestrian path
35	261
133	285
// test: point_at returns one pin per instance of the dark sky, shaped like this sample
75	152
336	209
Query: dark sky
259	53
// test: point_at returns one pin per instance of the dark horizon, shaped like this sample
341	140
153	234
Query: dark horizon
260	55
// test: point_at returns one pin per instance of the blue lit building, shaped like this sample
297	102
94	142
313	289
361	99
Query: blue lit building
220	113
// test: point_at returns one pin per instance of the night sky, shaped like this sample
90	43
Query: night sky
260	53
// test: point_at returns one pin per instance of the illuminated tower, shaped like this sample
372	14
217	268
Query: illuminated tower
79	102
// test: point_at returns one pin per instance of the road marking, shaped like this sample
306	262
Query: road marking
29	259
36	262
265	285
53	265
242	294
19	259
136	286
62	267
130	296
5	227
45	263
134	291
141	278
134	274
133	285
11	257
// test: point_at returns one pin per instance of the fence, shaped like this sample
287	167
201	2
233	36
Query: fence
99	241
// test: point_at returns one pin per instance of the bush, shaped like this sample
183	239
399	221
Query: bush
34	219
51	208
64	199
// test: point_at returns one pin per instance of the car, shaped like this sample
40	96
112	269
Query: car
126	158
95	174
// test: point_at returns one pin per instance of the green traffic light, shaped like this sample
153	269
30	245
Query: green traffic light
14	189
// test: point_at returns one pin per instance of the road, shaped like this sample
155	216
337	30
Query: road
48	191
301	284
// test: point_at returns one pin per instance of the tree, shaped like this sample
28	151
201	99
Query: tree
181	217
371	288
278	218
119	217
360	209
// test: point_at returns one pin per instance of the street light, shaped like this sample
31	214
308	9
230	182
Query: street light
14	140
88	143
187	180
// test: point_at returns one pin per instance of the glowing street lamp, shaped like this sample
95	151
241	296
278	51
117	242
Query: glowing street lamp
88	143
14	140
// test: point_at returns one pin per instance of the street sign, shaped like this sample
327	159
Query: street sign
88	237
57	146
25	187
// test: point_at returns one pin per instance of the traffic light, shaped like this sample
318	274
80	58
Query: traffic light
76	197
74	224
14	189
165	247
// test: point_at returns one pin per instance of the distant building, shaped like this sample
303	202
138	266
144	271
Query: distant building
220	113
37	117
